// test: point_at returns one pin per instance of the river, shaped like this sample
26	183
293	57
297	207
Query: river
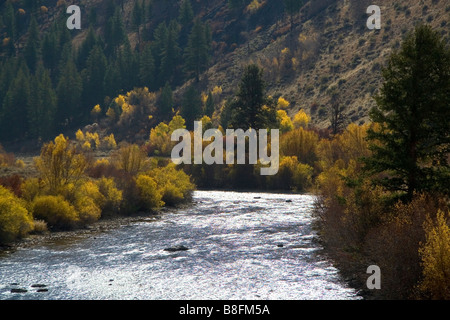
241	246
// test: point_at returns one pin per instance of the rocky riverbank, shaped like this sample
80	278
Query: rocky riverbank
93	230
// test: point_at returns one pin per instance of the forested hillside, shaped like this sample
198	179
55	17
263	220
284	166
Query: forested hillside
313	54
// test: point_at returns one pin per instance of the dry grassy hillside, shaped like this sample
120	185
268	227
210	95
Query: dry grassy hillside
331	50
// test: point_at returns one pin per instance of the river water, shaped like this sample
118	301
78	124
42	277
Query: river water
242	246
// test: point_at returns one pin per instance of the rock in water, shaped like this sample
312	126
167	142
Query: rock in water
18	290
176	248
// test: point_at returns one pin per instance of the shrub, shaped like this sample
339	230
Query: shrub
301	119
435	254
129	158
88	202
15	220
31	188
291	175
284	121
40	227
112	196
174	184
150	195
300	143
56	211
60	164
394	245
13	183
6	159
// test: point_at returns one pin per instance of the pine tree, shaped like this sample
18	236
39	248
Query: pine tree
115	34
251	108
41	104
137	18
93	80
88	44
13	117
9	20
411	141
147	68
31	51
197	51
192	106
159	40
186	13
68	92
170	54
50	50
166	101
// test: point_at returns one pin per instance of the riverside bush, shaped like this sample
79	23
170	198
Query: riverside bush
292	175
175	185
150	195
60	164
112	196
88	201
56	211
435	255
15	220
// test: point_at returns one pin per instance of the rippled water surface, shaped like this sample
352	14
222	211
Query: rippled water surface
241	246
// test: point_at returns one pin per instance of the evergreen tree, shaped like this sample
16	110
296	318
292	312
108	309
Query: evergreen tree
41	104
31	51
88	44
113	83
411	141
128	65
115	34
159	40
137	18
9	20
13	117
50	50
68	91
191	109
197	51
166	101
186	13
251	108
93	80
170	54
147	68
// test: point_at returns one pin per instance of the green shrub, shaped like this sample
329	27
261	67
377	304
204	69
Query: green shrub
15	220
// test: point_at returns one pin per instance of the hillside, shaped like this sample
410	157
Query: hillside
328	55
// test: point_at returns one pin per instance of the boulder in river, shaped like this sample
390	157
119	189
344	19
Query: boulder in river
18	290
176	248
